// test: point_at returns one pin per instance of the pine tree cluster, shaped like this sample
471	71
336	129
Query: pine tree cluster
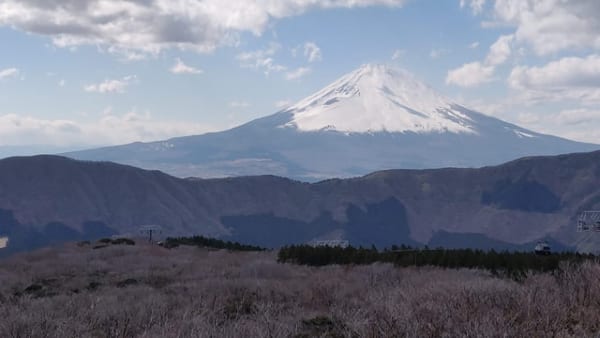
205	242
515	264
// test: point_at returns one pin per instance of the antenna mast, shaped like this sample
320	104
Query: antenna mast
149	230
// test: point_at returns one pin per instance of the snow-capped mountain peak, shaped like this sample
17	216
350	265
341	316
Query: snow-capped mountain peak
374	118
378	98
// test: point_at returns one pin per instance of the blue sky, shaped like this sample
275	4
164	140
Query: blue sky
79	73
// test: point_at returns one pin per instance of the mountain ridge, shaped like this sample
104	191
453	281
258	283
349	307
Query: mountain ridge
47	199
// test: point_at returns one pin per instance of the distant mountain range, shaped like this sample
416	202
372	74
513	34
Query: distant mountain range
49	199
372	119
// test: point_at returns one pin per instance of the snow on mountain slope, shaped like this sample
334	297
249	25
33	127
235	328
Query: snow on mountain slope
372	119
377	98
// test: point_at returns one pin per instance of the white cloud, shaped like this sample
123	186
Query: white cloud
110	129
239	104
9	72
181	68
568	78
398	53
474	45
110	86
140	27
549	26
475	73
297	73
476	5
500	51
580	124
62	83
558	90
470	74
312	52
262	59
577	123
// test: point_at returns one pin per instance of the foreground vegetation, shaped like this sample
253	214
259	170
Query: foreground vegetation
149	291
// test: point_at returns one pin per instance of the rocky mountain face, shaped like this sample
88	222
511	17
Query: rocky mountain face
49	199
372	119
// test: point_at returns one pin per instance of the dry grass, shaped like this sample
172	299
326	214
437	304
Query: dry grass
145	291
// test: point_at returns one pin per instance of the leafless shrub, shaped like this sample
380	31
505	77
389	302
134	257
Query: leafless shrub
76	291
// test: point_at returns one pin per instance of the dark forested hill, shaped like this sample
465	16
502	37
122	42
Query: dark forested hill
49	199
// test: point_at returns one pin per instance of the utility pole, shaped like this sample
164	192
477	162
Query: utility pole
149	230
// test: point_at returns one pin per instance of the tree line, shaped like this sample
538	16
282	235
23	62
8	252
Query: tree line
513	263
205	242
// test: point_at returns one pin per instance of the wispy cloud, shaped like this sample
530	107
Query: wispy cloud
181	68
108	129
312	52
9	72
475	5
262	59
111	86
297	73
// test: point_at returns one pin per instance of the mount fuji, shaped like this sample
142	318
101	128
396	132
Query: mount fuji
374	118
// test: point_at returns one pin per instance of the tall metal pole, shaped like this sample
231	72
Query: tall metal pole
150	230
